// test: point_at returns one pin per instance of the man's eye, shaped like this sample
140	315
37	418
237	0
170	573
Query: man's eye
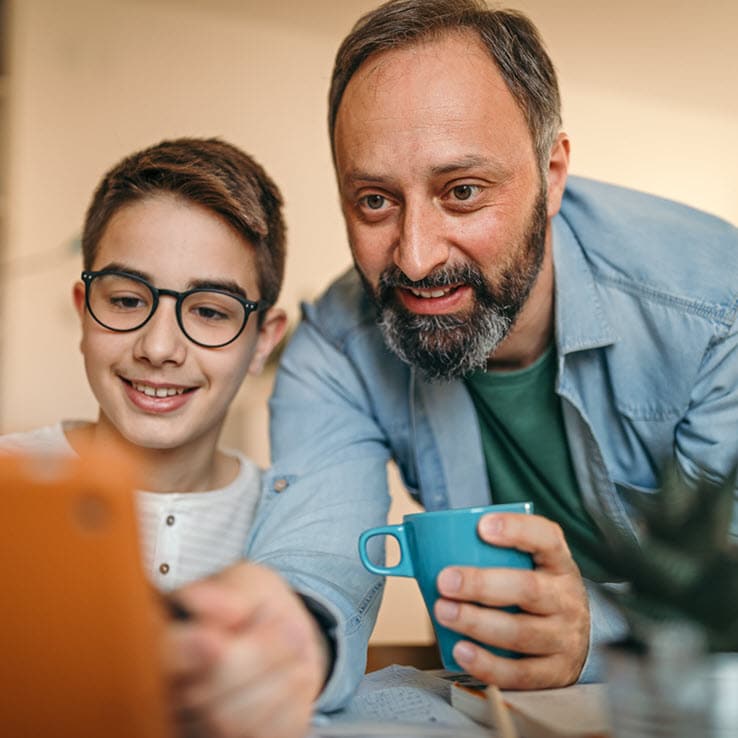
463	192
374	202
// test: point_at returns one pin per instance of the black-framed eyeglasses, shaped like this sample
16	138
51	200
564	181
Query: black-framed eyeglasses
125	302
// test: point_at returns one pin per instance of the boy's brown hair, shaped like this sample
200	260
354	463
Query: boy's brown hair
211	173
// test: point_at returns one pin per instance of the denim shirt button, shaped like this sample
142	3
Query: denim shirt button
281	484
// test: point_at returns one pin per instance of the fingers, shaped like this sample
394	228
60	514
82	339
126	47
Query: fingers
259	712
531	590
541	591
551	630
530	672
540	537
189	652
234	597
553	648
520	632
272	700
554	644
275	704
249	663
245	664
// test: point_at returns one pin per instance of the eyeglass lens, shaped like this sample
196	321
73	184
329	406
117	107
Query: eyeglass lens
124	304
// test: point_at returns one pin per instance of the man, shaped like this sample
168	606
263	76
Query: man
506	334
537	339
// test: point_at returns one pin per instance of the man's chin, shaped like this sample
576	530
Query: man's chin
442	348
429	323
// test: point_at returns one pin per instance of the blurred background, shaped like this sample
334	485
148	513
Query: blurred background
650	101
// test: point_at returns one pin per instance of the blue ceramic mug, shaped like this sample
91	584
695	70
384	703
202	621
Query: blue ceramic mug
431	541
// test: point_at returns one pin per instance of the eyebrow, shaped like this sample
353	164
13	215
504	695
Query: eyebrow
357	175
470	161
227	285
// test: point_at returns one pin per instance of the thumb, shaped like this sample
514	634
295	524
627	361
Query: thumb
239	595
190	650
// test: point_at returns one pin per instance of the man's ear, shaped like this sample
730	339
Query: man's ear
558	169
78	295
271	332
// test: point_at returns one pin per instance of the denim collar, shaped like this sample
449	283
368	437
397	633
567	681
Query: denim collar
581	320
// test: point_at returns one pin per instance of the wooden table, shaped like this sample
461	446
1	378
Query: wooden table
420	656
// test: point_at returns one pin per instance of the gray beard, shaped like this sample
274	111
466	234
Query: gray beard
447	347
444	347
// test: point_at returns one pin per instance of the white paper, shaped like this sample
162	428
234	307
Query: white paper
399	700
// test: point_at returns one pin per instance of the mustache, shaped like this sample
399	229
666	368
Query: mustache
467	274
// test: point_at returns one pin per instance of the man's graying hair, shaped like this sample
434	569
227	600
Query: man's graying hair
511	38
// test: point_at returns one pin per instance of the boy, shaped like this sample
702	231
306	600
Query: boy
184	248
201	218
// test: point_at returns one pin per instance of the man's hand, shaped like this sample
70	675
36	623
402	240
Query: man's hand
249	662
552	631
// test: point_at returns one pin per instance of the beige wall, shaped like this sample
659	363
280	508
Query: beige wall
650	101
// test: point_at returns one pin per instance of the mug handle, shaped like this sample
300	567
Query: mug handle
403	568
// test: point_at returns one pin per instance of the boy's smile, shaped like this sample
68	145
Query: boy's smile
157	398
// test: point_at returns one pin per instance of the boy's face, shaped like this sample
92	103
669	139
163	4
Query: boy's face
173	243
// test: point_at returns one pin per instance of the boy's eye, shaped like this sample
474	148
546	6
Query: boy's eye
207	313
127	302
212	307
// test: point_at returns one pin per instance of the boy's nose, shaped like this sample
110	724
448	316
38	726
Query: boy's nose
161	340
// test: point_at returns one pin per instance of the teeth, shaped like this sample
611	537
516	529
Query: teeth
430	293
157	391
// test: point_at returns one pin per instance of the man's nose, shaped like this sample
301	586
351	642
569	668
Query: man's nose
421	246
161	340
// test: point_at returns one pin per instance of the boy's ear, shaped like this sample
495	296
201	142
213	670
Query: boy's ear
271	332
78	295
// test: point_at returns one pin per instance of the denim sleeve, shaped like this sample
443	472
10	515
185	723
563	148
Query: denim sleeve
607	626
705	440
327	484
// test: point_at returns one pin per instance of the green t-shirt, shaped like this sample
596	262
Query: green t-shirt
527	453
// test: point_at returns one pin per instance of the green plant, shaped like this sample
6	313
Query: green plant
685	565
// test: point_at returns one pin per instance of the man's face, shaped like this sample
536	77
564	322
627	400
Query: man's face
156	389
443	201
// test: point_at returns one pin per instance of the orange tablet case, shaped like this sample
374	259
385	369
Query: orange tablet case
79	623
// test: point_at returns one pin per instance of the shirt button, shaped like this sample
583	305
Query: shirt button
164	568
170	519
281	484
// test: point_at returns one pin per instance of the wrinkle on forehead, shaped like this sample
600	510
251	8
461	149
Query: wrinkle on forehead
381	69
406	66
428	106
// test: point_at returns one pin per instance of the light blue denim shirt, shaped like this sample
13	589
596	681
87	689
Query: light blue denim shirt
647	346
